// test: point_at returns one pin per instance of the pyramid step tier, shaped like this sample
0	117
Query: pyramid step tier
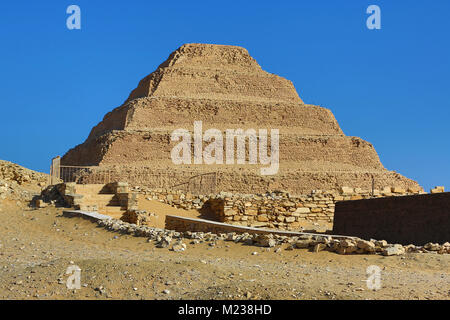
174	112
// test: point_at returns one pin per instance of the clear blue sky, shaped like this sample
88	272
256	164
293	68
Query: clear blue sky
388	86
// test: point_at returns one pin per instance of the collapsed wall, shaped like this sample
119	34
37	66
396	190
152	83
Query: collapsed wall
225	88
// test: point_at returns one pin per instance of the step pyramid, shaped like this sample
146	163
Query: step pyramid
225	88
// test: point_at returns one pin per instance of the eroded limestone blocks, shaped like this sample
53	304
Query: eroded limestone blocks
174	240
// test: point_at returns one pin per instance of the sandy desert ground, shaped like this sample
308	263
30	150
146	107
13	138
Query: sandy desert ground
37	246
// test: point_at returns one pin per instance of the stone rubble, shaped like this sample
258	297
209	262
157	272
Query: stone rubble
316	243
138	217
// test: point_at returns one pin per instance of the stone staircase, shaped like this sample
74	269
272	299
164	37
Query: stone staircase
97	197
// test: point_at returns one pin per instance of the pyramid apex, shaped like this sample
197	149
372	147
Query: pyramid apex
201	70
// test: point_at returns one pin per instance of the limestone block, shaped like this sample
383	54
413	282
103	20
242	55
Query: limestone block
230	212
303	244
413	189
288	204
251	211
386	191
122	187
290	219
347	190
398	190
437	189
263	218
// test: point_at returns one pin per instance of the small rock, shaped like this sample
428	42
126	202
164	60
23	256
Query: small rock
394	250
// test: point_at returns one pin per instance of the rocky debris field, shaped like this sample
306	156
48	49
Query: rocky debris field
315	243
37	247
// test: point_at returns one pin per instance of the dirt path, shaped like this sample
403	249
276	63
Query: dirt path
37	246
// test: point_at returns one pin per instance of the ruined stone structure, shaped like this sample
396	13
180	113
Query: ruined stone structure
225	88
278	210
113	199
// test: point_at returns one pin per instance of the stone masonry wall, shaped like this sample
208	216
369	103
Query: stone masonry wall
413	219
273	210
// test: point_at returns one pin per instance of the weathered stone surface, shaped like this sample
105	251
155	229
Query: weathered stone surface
303	210
437	190
303	244
386	190
263	218
290	219
319	247
367	246
346	243
432	246
164	242
347	190
265	240
381	243
138	217
398	190
179	247
394	250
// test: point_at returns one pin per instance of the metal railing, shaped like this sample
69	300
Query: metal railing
86	175
205	183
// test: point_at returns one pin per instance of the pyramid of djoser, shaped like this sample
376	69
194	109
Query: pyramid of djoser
225	88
